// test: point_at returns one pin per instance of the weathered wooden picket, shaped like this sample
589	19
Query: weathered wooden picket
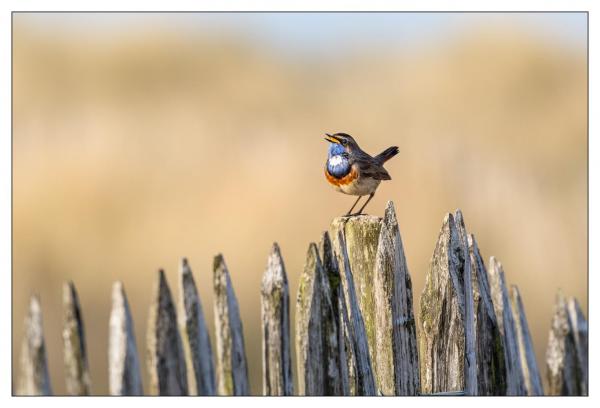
356	332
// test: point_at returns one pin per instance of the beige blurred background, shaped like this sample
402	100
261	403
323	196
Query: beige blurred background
139	139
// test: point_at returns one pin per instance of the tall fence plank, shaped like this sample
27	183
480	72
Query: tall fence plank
310	302
195	338
34	377
123	364
334	343
579	328
470	363
442	314
491	369
531	374
232	369
275	316
77	376
361	234
515	383
166	361
362	372
397	360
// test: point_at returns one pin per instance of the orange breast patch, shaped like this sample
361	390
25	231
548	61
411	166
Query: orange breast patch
347	179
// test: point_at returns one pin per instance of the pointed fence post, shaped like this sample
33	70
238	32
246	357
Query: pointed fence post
578	326
395	332
491	369
123	363
361	372
515	383
336	368
446	344
166	361
77	374
34	379
275	315
531	374
361	235
195	338
232	369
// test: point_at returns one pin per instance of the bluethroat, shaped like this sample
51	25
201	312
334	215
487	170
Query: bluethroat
352	171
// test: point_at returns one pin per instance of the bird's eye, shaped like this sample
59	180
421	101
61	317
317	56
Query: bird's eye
344	142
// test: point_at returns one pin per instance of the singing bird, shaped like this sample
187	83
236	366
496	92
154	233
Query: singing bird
352	171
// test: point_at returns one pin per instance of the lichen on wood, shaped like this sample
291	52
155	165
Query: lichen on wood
442	314
195	338
397	363
123	364
232	368
491	369
165	356
77	376
34	378
275	316
361	371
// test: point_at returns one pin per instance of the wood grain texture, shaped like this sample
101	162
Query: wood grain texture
34	378
194	335
397	363
491	369
232	367
124	373
77	376
361	376
275	317
515	383
165	356
442	314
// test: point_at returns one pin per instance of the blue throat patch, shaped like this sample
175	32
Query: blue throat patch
337	165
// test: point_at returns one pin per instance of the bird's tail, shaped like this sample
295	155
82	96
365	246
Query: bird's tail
386	154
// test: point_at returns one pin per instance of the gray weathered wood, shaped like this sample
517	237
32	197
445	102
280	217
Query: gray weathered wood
275	316
194	335
491	370
361	234
309	329
232	369
34	377
567	352
442	314
531	374
397	363
77	376
165	356
579	329
123	363
515	383
470	364
361	371
334	343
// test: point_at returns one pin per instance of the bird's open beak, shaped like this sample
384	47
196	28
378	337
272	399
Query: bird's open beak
331	138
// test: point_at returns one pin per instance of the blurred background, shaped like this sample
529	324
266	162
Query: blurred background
142	138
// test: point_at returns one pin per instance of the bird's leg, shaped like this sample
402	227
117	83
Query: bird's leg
353	205
365	204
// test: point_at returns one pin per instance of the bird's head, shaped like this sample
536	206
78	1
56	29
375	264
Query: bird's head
340	143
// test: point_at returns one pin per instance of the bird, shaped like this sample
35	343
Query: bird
352	171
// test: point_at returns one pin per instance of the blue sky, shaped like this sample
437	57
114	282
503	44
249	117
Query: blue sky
331	32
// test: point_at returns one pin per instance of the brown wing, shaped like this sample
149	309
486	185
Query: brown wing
369	168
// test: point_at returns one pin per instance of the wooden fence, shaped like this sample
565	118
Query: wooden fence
356	331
